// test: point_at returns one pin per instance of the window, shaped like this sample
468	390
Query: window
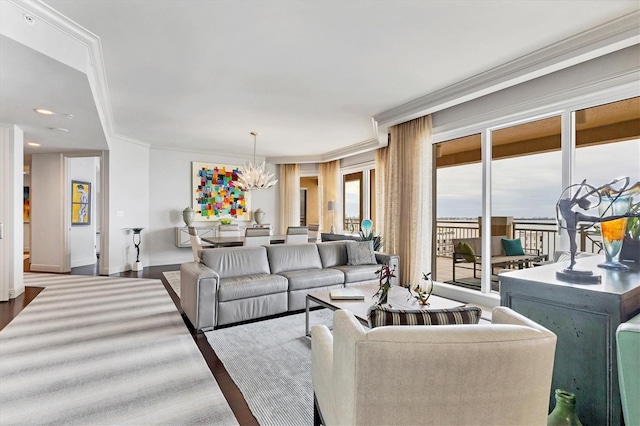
458	204
353	201
527	172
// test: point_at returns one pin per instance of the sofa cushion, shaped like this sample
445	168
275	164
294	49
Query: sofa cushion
231	262
467	252
512	247
381	315
293	257
354	274
250	286
313	278
360	253
333	253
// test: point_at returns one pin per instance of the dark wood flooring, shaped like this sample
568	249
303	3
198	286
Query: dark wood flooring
10	309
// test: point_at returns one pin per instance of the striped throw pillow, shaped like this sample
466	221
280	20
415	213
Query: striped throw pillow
380	315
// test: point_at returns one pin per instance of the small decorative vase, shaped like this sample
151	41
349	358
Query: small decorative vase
258	216
188	215
564	412
613	230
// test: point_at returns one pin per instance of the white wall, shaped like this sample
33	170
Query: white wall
82	238
49	242
170	192
127	204
11	183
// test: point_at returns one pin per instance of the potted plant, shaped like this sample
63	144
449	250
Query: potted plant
377	239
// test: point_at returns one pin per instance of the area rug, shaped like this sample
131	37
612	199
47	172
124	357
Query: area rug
173	278
270	362
104	350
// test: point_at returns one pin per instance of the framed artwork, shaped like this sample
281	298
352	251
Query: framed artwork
26	206
215	193
80	203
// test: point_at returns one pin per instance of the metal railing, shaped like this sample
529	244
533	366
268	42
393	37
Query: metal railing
541	236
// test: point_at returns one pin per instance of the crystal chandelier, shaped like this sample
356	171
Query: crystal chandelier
255	177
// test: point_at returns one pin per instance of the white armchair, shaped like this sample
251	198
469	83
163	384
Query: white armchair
489	374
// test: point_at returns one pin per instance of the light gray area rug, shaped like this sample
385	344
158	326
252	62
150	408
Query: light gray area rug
173	278
270	361
103	350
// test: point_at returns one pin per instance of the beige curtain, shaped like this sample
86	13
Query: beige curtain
403	197
329	189
289	181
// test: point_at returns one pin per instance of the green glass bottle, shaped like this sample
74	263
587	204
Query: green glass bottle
564	412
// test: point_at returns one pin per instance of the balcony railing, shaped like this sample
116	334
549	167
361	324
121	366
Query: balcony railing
541	236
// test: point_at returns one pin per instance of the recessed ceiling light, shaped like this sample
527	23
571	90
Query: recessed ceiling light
58	129
33	144
44	111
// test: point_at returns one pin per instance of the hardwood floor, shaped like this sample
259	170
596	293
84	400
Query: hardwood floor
9	310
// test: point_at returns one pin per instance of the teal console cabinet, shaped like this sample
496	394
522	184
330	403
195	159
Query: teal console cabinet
585	318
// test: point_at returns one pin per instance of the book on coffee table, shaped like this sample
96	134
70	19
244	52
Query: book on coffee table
346	294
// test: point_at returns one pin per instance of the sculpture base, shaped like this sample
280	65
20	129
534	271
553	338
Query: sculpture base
137	266
578	276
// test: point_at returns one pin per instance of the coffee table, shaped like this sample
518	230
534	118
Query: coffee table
397	299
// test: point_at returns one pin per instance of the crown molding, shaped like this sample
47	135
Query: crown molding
607	38
242	158
338	154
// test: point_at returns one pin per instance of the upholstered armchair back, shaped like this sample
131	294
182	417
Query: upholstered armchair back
497	373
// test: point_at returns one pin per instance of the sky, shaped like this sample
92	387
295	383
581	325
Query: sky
529	186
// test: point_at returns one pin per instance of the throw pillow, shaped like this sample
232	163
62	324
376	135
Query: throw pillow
360	253
512	247
467	253
381	315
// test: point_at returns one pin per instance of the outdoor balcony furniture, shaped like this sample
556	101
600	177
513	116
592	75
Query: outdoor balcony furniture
470	257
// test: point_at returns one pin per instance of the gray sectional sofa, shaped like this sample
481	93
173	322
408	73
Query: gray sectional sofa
234	284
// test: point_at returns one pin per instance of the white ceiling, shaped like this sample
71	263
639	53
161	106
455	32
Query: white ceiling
307	75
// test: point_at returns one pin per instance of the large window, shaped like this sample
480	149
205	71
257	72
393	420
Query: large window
458	204
352	193
358	192
530	164
526	178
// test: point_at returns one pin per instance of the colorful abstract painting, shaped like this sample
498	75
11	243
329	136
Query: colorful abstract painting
215	194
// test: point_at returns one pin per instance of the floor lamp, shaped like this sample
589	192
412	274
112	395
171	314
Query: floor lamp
332	208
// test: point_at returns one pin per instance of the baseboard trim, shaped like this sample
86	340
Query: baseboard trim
37	267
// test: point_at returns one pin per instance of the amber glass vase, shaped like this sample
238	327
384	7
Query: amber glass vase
613	231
